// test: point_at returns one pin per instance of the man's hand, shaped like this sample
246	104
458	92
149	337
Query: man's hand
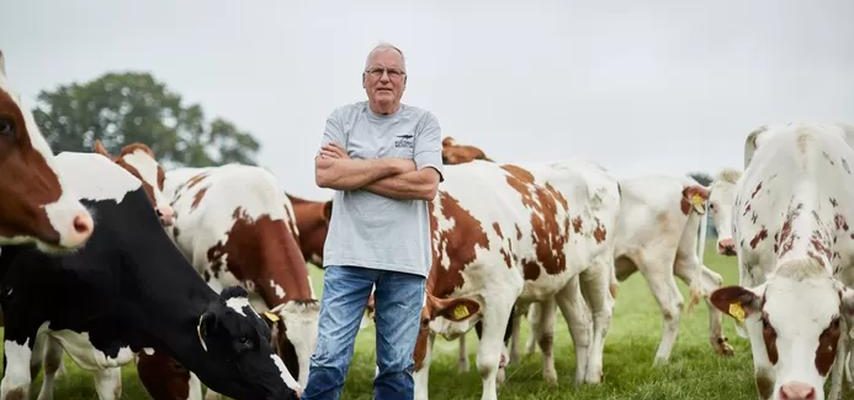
334	151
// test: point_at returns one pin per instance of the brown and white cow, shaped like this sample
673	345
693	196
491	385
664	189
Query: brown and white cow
455	154
139	160
721	198
795	252
34	204
544	226
657	234
236	226
312	219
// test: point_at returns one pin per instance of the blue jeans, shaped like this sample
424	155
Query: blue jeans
399	298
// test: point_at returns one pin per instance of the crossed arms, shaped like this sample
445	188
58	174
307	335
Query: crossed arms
395	178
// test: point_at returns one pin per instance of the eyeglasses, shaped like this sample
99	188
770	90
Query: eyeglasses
393	73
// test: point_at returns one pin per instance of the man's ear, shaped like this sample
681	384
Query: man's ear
737	302
363	80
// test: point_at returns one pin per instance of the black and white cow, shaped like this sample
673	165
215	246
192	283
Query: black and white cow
129	289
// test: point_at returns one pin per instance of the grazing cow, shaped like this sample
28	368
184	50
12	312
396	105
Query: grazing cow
454	154
127	290
236	227
312	218
35	203
795	253
545	226
721	198
139	160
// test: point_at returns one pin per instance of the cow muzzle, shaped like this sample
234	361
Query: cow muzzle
797	391
726	247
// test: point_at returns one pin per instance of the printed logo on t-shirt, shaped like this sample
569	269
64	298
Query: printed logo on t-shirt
405	140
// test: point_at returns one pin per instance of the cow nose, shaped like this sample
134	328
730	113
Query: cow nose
726	247
797	391
166	214
83	224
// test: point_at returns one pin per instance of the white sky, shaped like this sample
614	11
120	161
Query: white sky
638	86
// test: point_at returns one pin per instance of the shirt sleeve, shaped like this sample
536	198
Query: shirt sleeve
428	145
334	131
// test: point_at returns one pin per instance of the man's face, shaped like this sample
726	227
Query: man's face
385	79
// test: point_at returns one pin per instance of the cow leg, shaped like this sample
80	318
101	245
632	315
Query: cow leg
703	281
421	376
515	327
837	375
17	352
545	337
108	383
463	358
534	311
595	286
495	319
52	361
659	277
577	317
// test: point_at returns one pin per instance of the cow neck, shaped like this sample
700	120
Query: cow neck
265	252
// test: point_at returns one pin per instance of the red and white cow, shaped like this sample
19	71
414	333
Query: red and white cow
455	154
795	254
139	160
721	198
236	226
34	203
543	227
312	219
658	234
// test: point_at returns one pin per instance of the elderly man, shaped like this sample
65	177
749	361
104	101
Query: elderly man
384	159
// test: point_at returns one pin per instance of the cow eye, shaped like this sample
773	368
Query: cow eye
7	127
713	207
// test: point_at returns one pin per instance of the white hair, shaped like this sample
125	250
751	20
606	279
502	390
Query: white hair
384	46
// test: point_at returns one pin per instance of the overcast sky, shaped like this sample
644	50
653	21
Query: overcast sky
637	86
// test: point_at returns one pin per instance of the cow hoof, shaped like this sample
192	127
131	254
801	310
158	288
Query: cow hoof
550	377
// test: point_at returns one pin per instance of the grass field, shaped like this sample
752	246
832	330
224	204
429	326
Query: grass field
694	372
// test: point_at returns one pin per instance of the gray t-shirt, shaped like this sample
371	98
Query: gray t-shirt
368	230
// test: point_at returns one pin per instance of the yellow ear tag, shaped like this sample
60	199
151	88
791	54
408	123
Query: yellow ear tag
697	200
271	316
737	311
461	311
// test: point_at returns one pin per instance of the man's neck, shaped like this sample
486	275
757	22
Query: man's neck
384	109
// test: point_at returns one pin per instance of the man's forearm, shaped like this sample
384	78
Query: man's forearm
416	185
348	174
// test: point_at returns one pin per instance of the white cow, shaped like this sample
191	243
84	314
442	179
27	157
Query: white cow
542	227
795	252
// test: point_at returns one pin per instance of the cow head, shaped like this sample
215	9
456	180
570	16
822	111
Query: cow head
246	367
139	160
34	204
721	203
295	334
453	153
312	218
794	324
453	310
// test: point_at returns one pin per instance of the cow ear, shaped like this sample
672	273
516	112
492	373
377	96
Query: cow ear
459	309
207	323
736	301
751	143
327	211
100	149
695	196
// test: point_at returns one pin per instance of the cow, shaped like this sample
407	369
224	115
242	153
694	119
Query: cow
545	226
795	251
657	234
139	160
454	154
721	198
312	219
128	290
236	227
36	205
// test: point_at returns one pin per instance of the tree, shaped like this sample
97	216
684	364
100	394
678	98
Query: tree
701	178
122	108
